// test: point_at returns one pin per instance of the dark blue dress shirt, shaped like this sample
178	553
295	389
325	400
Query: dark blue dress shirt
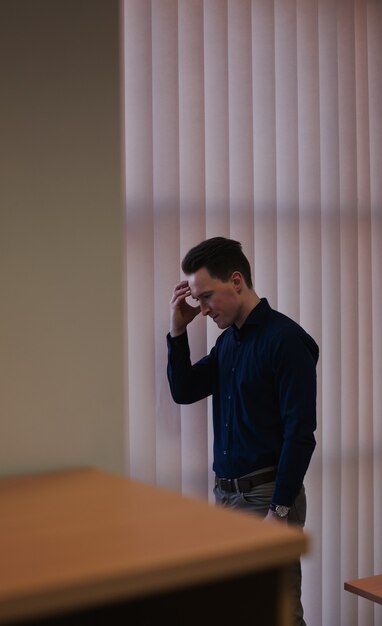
262	378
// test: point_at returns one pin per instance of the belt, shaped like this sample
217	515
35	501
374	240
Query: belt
241	485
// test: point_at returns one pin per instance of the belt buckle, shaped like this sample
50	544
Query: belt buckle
234	485
229	484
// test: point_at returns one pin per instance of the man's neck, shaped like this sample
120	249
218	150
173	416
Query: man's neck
249	303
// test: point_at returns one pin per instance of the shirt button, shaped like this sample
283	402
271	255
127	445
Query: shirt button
229	397
233	369
225	452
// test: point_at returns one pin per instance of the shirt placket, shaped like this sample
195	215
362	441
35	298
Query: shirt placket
229	451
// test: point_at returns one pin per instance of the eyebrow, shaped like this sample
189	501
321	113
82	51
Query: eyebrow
203	293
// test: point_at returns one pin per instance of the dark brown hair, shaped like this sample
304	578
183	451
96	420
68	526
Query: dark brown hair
221	257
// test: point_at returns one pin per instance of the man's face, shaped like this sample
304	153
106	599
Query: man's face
220	300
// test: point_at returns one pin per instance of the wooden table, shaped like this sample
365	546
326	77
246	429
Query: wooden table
90	543
369	587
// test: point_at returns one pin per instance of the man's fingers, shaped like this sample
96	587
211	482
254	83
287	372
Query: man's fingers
181	290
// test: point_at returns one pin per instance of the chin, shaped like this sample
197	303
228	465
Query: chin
222	325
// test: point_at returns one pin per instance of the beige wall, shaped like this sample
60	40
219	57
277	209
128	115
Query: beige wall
61	236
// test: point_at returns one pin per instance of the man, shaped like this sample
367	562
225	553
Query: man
262	377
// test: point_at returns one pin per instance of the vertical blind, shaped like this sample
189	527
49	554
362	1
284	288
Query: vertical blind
262	121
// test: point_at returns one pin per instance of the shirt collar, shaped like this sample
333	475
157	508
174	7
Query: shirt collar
255	317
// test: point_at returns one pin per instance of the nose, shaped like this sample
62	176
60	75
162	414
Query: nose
205	309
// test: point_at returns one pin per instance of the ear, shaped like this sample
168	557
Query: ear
237	281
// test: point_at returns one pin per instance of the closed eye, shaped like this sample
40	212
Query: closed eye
203	297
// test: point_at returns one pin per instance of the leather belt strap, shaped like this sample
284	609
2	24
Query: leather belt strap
241	485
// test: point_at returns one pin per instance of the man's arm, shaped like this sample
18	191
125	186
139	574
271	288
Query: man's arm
295	377
181	313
